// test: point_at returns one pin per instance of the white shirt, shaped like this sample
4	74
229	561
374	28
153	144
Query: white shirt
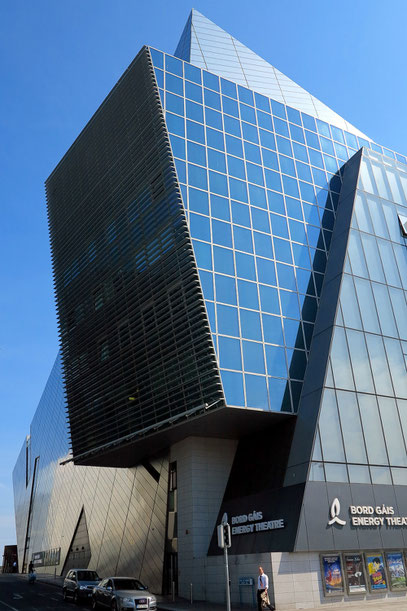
263	582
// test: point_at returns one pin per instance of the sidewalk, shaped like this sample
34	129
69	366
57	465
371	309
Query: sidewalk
49	579
373	605
182	605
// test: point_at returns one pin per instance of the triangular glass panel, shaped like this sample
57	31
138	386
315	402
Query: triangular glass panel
205	44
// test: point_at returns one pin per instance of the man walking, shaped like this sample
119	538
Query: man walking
263	602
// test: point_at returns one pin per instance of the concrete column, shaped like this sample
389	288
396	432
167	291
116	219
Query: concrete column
203	468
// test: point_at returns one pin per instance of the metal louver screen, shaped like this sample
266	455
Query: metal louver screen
135	339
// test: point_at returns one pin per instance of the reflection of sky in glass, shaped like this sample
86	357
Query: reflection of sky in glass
49	442
369	348
260	189
112	499
259	186
204	44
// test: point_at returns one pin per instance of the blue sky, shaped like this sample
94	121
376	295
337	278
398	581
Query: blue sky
58	60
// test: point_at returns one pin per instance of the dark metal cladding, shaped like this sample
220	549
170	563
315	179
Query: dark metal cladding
134	334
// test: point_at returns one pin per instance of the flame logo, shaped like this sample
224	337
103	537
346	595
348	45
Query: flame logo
335	511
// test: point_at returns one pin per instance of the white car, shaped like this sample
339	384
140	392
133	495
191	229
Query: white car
119	593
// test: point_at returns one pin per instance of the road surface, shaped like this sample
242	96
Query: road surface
17	595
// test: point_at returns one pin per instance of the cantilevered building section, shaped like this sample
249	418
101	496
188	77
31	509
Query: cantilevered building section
135	337
145	217
230	261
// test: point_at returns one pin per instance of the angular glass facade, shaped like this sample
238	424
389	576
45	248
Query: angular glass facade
135	338
206	45
252	185
260	183
232	303
364	403
121	512
36	468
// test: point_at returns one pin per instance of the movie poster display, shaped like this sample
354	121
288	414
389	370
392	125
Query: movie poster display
396	571
376	572
355	573
332	576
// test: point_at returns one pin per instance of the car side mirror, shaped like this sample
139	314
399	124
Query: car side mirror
109	588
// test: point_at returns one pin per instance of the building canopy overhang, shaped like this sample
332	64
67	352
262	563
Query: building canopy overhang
220	423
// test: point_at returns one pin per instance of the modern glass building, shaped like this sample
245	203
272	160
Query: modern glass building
230	269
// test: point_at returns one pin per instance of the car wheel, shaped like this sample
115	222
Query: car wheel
113	606
95	604
64	594
75	598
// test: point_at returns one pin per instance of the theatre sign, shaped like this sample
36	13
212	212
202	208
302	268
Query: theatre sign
366	515
245	524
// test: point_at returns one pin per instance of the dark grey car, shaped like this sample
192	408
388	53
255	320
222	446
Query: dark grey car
79	584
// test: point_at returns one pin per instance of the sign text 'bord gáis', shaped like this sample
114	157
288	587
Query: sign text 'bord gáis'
381	515
253	522
367	515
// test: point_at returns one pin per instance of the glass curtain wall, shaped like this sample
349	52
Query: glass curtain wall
260	183
363	419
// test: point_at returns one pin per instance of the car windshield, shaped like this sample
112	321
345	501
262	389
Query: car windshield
88	576
128	584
